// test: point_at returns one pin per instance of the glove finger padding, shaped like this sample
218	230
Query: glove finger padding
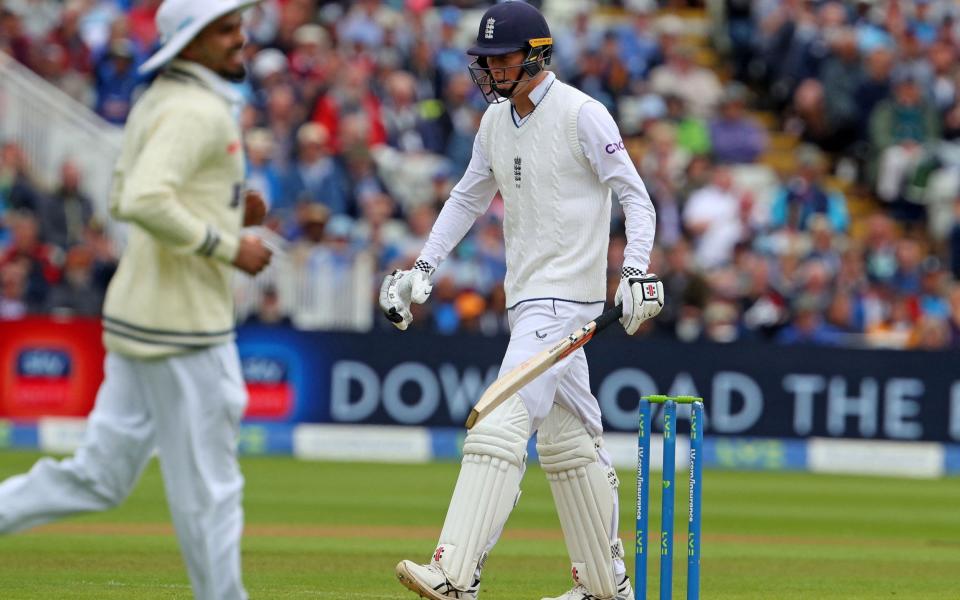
391	302
642	297
402	288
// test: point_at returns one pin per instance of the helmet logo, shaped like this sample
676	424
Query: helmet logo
488	33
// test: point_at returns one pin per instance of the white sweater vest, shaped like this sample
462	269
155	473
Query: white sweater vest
557	212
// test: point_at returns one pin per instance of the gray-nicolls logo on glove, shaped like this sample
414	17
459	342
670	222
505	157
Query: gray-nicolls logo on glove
400	289
642	297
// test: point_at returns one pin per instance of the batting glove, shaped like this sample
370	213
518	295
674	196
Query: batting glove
402	288
642	297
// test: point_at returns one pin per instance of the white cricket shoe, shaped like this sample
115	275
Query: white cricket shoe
624	592
430	582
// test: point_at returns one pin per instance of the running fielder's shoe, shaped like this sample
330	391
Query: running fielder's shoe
624	592
430	582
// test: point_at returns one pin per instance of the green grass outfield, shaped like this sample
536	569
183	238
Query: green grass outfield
334	530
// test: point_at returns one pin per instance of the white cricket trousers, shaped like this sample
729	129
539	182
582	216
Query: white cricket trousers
187	408
536	325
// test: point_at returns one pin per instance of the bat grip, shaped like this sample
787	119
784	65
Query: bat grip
609	316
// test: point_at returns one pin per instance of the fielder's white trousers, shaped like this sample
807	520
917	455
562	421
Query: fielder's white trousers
535	326
188	408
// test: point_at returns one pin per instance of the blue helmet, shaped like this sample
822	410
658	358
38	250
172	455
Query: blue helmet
506	28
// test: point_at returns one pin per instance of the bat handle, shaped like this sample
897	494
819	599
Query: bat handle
609	316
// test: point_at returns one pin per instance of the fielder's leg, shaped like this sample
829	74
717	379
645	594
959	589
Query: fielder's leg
198	412
494	459
116	447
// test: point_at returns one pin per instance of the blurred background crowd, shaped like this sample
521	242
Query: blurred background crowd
803	156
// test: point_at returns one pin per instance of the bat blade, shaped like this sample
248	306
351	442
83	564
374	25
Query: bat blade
530	369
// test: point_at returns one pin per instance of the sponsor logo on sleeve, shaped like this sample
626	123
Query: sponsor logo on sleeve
614	147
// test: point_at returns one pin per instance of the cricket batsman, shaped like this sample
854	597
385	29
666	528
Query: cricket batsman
173	382
554	154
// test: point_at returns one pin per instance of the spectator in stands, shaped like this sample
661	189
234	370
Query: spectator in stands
316	176
639	47
312	63
714	218
874	87
735	137
906	278
930	333
880	257
13	290
65	215
574	41
943	61
692	132
954	241
808	325
663	167
116	81
17	189
104	254
77	292
42	262
379	231
142	23
954	299
67	37
13	40
681	76
270	313
262	174
685	284
401	113
350	95
841	74
282	116
825	244
805	194
902	130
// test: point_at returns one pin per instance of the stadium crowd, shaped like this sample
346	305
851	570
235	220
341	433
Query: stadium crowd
361	117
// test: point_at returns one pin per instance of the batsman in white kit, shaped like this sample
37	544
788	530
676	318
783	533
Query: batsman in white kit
554	154
173	382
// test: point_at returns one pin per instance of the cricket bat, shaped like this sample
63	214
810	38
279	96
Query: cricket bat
530	369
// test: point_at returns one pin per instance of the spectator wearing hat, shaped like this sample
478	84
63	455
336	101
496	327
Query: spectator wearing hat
312	64
316	176
736	137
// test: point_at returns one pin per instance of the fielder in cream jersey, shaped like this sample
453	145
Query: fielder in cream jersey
173	382
554	154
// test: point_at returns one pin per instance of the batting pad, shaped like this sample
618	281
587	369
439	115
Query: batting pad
584	492
494	458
